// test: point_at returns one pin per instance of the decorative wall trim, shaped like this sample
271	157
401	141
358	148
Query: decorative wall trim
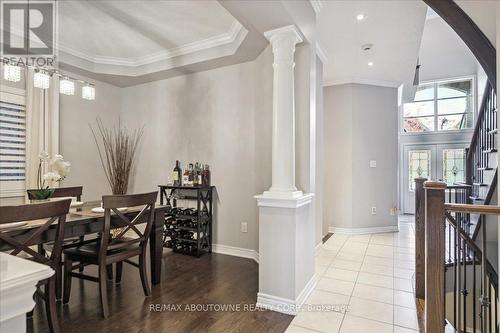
286	305
317	5
381	83
321	54
318	248
362	231
236	251
212	42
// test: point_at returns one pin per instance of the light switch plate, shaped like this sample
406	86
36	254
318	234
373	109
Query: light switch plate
373	164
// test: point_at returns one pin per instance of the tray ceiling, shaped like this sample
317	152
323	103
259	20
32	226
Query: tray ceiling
136	38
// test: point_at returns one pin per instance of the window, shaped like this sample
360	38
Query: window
419	166
12	144
453	166
440	106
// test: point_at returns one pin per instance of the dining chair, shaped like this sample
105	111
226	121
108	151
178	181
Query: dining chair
114	249
61	192
55	213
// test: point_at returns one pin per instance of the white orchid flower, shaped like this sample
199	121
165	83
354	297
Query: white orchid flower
52	177
43	156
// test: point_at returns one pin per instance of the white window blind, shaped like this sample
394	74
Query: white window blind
12	144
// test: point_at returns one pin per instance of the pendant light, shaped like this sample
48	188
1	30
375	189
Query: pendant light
12	73
416	79
41	80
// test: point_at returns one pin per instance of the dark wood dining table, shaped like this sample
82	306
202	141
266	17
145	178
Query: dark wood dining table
85	222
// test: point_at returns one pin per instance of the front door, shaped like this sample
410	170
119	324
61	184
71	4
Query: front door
418	161
445	162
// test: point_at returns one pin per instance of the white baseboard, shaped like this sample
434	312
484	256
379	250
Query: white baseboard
286	305
318	248
362	231
236	251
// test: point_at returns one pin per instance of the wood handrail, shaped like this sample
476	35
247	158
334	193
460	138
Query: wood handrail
473	209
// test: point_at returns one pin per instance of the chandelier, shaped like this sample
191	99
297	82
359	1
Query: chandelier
41	80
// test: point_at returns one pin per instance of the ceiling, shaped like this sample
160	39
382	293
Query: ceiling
443	54
393	27
120	39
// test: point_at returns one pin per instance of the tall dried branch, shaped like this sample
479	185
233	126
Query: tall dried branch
117	147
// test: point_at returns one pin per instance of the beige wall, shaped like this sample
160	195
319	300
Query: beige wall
221	117
361	124
338	156
77	144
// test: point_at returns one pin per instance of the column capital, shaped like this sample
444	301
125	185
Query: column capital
289	32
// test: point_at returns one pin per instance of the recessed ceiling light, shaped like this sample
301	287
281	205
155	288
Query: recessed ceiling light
360	17
370	64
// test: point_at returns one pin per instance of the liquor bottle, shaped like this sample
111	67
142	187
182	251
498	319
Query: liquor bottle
195	174
200	174
176	174
191	174
206	175
185	177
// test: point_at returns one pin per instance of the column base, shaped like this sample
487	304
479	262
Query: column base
282	194
284	199
286	252
285	305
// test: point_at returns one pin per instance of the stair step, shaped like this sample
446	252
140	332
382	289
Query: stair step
495	131
479	184
476	198
489	151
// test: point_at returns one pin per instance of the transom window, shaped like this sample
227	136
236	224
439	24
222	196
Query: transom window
440	106
420	166
453	166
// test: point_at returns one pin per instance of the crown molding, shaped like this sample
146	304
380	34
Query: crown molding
317	5
321	54
371	82
233	35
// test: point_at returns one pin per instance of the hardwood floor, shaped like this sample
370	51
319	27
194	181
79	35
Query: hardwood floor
211	279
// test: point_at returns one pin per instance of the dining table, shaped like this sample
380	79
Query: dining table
84	221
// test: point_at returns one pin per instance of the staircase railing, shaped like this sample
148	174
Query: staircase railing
466	297
483	142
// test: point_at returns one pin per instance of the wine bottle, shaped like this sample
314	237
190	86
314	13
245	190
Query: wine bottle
185	177
191	174
206	175
200	174
195	174
176	174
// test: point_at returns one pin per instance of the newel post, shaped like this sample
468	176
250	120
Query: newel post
420	238
434	256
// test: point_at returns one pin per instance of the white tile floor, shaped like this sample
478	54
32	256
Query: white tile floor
372	275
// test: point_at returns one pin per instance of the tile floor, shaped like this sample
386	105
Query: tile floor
372	276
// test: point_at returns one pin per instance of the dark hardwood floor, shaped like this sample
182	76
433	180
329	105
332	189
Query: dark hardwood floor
211	279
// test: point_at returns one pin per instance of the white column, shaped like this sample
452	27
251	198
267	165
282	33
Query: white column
18	280
286	230
283	42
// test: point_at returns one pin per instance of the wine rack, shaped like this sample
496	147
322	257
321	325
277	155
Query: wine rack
188	230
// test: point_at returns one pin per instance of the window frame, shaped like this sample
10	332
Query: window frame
14	191
435	84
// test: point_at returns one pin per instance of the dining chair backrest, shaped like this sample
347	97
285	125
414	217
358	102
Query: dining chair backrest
60	192
53	211
112	203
